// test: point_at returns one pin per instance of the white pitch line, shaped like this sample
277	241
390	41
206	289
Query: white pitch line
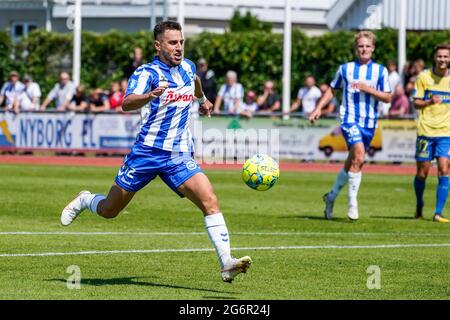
376	246
87	233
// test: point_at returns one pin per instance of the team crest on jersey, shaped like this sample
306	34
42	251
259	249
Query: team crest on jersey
133	84
191	165
190	75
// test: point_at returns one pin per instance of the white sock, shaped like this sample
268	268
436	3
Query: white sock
218	234
92	201
354	181
341	180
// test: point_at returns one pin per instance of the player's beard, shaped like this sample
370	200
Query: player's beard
170	57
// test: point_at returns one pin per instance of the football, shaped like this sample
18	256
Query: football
260	172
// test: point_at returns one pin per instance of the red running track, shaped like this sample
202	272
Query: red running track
286	166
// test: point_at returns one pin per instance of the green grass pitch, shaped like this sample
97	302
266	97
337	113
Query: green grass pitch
296	254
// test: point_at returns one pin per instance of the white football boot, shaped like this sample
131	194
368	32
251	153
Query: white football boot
329	204
353	213
234	267
74	208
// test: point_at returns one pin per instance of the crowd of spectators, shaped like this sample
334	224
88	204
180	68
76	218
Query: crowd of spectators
17	97
230	99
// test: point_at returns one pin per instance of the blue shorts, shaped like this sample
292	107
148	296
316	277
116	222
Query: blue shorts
353	133
143	164
428	148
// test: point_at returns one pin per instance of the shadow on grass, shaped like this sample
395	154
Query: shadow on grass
219	298
393	217
134	281
337	219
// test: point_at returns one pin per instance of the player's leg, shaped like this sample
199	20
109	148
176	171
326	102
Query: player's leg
423	167
353	166
199	190
340	182
136	172
442	154
105	206
331	196
424	154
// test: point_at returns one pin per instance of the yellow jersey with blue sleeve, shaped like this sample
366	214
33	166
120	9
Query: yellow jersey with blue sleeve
434	120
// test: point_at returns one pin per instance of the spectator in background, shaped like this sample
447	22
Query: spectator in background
98	101
29	99
400	103
137	60
116	97
394	77
123	86
307	97
330	108
269	101
62	93
79	101
413	70
249	107
11	90
231	94
208	80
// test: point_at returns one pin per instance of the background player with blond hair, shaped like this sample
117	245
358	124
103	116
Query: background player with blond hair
365	83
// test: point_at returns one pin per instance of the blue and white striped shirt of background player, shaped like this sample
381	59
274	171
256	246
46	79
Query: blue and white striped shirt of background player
358	107
165	120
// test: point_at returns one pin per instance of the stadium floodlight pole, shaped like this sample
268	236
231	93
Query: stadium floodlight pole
287	48
76	65
152	14
48	16
181	13
402	38
165	9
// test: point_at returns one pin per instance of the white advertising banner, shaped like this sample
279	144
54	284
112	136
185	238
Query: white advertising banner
219	139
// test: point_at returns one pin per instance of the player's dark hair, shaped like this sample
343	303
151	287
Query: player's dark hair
161	27
442	46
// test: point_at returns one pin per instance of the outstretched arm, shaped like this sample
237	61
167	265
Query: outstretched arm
205	105
326	99
137	101
386	97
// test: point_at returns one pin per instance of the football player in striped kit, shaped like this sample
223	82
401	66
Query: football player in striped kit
364	83
164	90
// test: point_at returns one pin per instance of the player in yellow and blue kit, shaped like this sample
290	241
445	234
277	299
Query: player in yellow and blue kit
432	100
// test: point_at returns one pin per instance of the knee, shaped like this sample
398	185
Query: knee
422	173
358	160
443	171
210	203
109	212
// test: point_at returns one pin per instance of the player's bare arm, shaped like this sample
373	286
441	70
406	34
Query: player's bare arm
421	103
205	105
385	97
137	101
325	100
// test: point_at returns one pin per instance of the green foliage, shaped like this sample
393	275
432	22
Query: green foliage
104	56
256	55
5	52
248	23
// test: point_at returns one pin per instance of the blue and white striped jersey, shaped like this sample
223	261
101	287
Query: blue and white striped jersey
358	107
165	121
